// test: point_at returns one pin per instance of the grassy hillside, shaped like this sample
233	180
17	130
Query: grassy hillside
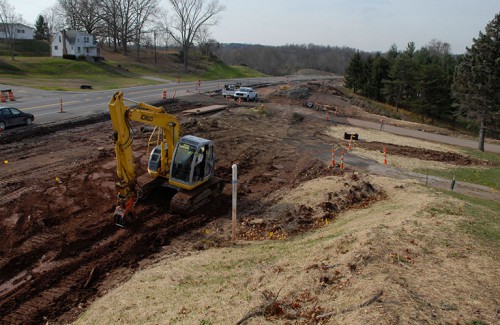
117	71
26	48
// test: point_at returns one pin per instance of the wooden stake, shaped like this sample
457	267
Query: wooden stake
235	193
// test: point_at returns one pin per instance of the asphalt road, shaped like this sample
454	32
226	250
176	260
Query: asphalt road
53	106
419	134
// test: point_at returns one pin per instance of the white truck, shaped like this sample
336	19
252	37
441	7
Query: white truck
245	93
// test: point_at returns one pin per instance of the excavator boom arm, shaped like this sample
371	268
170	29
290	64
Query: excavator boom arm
121	115
122	138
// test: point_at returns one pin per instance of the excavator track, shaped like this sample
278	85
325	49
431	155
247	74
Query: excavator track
186	202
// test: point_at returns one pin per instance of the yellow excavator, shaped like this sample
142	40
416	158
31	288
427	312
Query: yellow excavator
185	164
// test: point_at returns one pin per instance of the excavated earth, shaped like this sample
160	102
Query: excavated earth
60	249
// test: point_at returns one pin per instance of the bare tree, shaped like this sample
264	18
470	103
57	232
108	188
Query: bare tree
55	18
8	20
143	10
161	27
110	13
82	14
207	45
189	17
70	13
438	47
120	21
90	19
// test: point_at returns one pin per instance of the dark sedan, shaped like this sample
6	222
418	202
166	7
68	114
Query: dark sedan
10	116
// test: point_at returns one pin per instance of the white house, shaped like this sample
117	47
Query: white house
19	31
73	42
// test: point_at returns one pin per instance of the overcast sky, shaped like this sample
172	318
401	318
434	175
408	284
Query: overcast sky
369	25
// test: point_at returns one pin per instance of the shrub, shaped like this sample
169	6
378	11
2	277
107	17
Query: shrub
69	56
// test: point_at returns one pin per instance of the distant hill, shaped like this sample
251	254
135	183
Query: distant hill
288	59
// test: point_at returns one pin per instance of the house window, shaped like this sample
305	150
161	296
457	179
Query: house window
20	31
86	39
59	38
78	49
55	47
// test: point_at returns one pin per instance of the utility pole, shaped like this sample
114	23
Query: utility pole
154	41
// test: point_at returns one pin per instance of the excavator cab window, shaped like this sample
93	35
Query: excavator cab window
183	162
155	159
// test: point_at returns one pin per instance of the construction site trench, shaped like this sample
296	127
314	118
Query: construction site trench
60	249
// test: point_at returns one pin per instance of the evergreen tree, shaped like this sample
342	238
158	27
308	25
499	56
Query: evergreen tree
433	91
41	29
392	54
354	73
379	72
367	75
477	80
400	86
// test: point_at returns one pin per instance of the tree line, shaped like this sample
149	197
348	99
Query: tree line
417	80
432	82
287	59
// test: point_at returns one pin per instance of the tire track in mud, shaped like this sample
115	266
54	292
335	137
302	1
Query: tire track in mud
79	266
56	260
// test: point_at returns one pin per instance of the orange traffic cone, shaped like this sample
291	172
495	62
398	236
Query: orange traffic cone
11	95
342	160
3	98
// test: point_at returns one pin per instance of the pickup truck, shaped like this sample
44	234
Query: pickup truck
245	93
228	90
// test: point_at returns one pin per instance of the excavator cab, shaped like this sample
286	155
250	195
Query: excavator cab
193	162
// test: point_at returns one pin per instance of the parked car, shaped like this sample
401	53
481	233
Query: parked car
10	116
245	93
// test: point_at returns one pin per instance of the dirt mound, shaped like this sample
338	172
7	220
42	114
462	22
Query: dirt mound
299	93
302	92
281	220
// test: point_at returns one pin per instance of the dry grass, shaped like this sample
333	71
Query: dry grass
370	135
403	162
410	246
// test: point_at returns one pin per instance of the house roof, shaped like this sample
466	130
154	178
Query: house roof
17	24
72	34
